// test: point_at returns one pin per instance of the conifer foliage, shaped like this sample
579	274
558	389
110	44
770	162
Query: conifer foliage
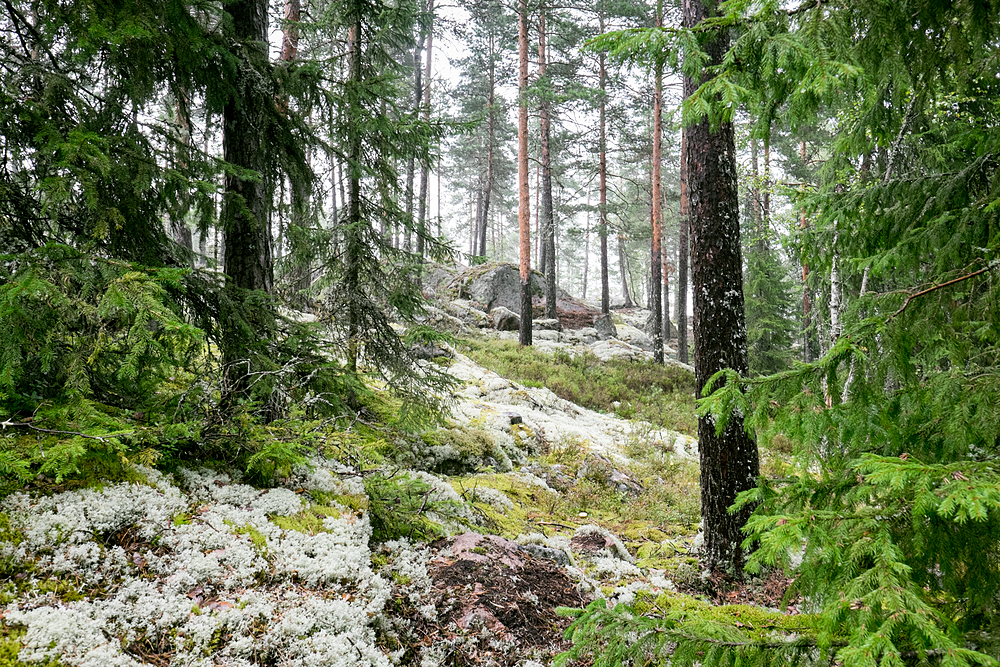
889	520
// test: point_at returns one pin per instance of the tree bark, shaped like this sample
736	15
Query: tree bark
807	334
418	93
491	138
548	217
602	228
247	258
353	236
623	267
729	461
523	201
424	164
682	260
656	263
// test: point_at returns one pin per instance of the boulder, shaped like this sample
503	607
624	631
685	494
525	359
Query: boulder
605	327
606	350
495	285
546	325
633	336
584	336
504	319
546	334
467	313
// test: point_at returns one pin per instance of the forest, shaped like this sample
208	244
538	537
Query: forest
400	332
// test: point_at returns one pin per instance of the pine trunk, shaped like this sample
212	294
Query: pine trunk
353	236
603	206
729	461
523	201
682	260
548	218
656	263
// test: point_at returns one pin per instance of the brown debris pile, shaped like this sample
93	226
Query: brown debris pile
486	584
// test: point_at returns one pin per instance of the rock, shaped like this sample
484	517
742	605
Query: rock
464	310
431	351
504	319
605	327
440	320
633	336
547	553
513	418
436	277
546	334
584	336
494	285
604	470
616	349
546	325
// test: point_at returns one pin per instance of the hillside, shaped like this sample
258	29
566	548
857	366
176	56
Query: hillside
452	543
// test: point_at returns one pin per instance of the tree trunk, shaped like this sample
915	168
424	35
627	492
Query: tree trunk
179	230
623	267
807	334
682	260
523	201
353	236
418	93
586	249
656	263
247	256
490	123
424	164
729	461
602	228
548	218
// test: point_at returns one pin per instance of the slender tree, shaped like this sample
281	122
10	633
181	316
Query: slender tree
602	226
523	201
548	223
656	262
245	219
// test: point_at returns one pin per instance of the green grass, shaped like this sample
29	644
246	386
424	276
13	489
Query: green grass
661	395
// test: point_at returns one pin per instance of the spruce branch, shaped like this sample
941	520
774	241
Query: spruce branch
937	287
7	422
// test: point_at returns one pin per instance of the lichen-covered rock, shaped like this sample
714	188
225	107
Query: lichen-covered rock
546	325
467	313
505	319
633	336
605	327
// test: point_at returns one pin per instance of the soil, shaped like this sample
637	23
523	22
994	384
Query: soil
490	585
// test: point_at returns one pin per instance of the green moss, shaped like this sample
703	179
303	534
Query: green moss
309	521
10	646
531	504
257	538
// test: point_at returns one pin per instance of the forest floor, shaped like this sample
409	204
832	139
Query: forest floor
556	480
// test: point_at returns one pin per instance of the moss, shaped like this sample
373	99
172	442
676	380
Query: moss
531	504
256	538
10	646
309	521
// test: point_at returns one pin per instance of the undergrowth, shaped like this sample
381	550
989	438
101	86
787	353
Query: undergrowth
660	394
